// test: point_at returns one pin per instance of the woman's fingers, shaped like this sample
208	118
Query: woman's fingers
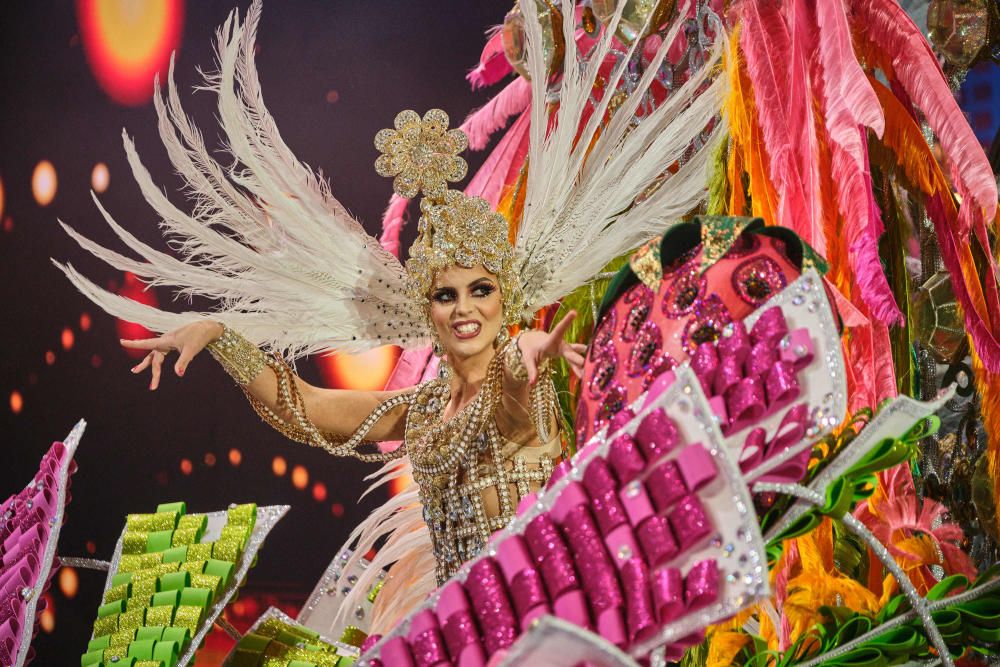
187	354
577	370
560	328
578	347
157	366
144	364
147	344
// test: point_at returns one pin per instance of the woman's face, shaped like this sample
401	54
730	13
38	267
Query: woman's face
466	310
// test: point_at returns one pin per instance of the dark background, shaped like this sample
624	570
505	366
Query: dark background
380	56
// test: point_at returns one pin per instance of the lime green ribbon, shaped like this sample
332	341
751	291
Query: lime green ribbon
857	483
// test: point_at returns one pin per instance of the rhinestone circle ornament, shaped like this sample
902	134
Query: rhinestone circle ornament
421	153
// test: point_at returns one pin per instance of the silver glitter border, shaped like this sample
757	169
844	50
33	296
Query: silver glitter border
273	612
28	631
686	387
267	517
892	420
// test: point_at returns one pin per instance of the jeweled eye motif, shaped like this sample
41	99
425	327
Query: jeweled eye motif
603	372
640	298
710	317
613	403
744	245
646	351
687	289
756	280
605	331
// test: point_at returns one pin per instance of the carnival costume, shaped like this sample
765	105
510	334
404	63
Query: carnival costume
294	273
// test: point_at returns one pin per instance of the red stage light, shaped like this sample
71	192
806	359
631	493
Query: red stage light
235	457
186	466
47	619
91	547
67	338
366	371
16	402
279	466
85	322
133	288
209	459
128	43
337	509
50	357
319	492
69	582
300	477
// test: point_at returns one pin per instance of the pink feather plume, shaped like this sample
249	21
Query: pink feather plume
483	122
392	222
493	64
890	30
501	167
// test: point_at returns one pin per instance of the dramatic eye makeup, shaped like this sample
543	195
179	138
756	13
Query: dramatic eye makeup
443	295
483	287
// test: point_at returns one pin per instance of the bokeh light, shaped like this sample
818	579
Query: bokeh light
319	492
209	459
50	357
133	288
16	402
100	177
8	224
279	466
44	183
69	582
337	509
91	547
332	96
186	466
47	619
235	457
67	338
300	477
127	43
85	322
368	371
1	198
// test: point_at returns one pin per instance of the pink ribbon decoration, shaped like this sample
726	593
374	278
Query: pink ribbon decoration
370	641
493	609
797	348
426	642
639	616
597	573
396	652
620	419
727	376
635	500
704	362
665	485
624	457
551	556
781	385
770	327
461	634
762	356
525	583
790	432
689	523
668	593
602	487
701	586
737	344
656	434
745	403
658	543
697	467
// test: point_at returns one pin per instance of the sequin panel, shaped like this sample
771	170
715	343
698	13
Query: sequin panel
680	263
647	350
746	244
710	317
604	333
640	298
687	290
758	279
582	411
603	372
614	401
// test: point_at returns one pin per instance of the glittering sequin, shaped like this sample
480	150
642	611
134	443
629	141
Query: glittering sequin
646	351
614	401
687	290
582	413
604	333
680	261
757	279
710	317
604	372
640	298
744	245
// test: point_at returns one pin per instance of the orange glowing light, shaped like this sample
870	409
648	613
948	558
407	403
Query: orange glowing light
300	477
50	357
44	183
209	459
365	371
67	338
186	466
128	43
47	619
279	466
100	177
16	402
399	484
85	322
69	582
135	289
235	457
319	492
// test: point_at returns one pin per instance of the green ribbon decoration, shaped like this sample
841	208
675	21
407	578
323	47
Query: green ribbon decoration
286	644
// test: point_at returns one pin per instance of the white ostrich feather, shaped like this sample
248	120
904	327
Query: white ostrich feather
581	209
266	241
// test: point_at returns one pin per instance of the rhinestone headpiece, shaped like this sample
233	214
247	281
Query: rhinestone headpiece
422	156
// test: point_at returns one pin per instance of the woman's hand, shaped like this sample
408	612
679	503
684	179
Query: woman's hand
189	340
537	345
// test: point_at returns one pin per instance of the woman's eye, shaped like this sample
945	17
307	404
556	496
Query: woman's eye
443	296
483	290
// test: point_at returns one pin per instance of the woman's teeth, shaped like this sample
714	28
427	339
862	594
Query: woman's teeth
466	329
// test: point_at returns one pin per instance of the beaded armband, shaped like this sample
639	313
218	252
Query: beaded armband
238	356
299	427
513	361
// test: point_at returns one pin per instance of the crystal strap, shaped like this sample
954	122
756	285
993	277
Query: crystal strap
238	356
85	563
